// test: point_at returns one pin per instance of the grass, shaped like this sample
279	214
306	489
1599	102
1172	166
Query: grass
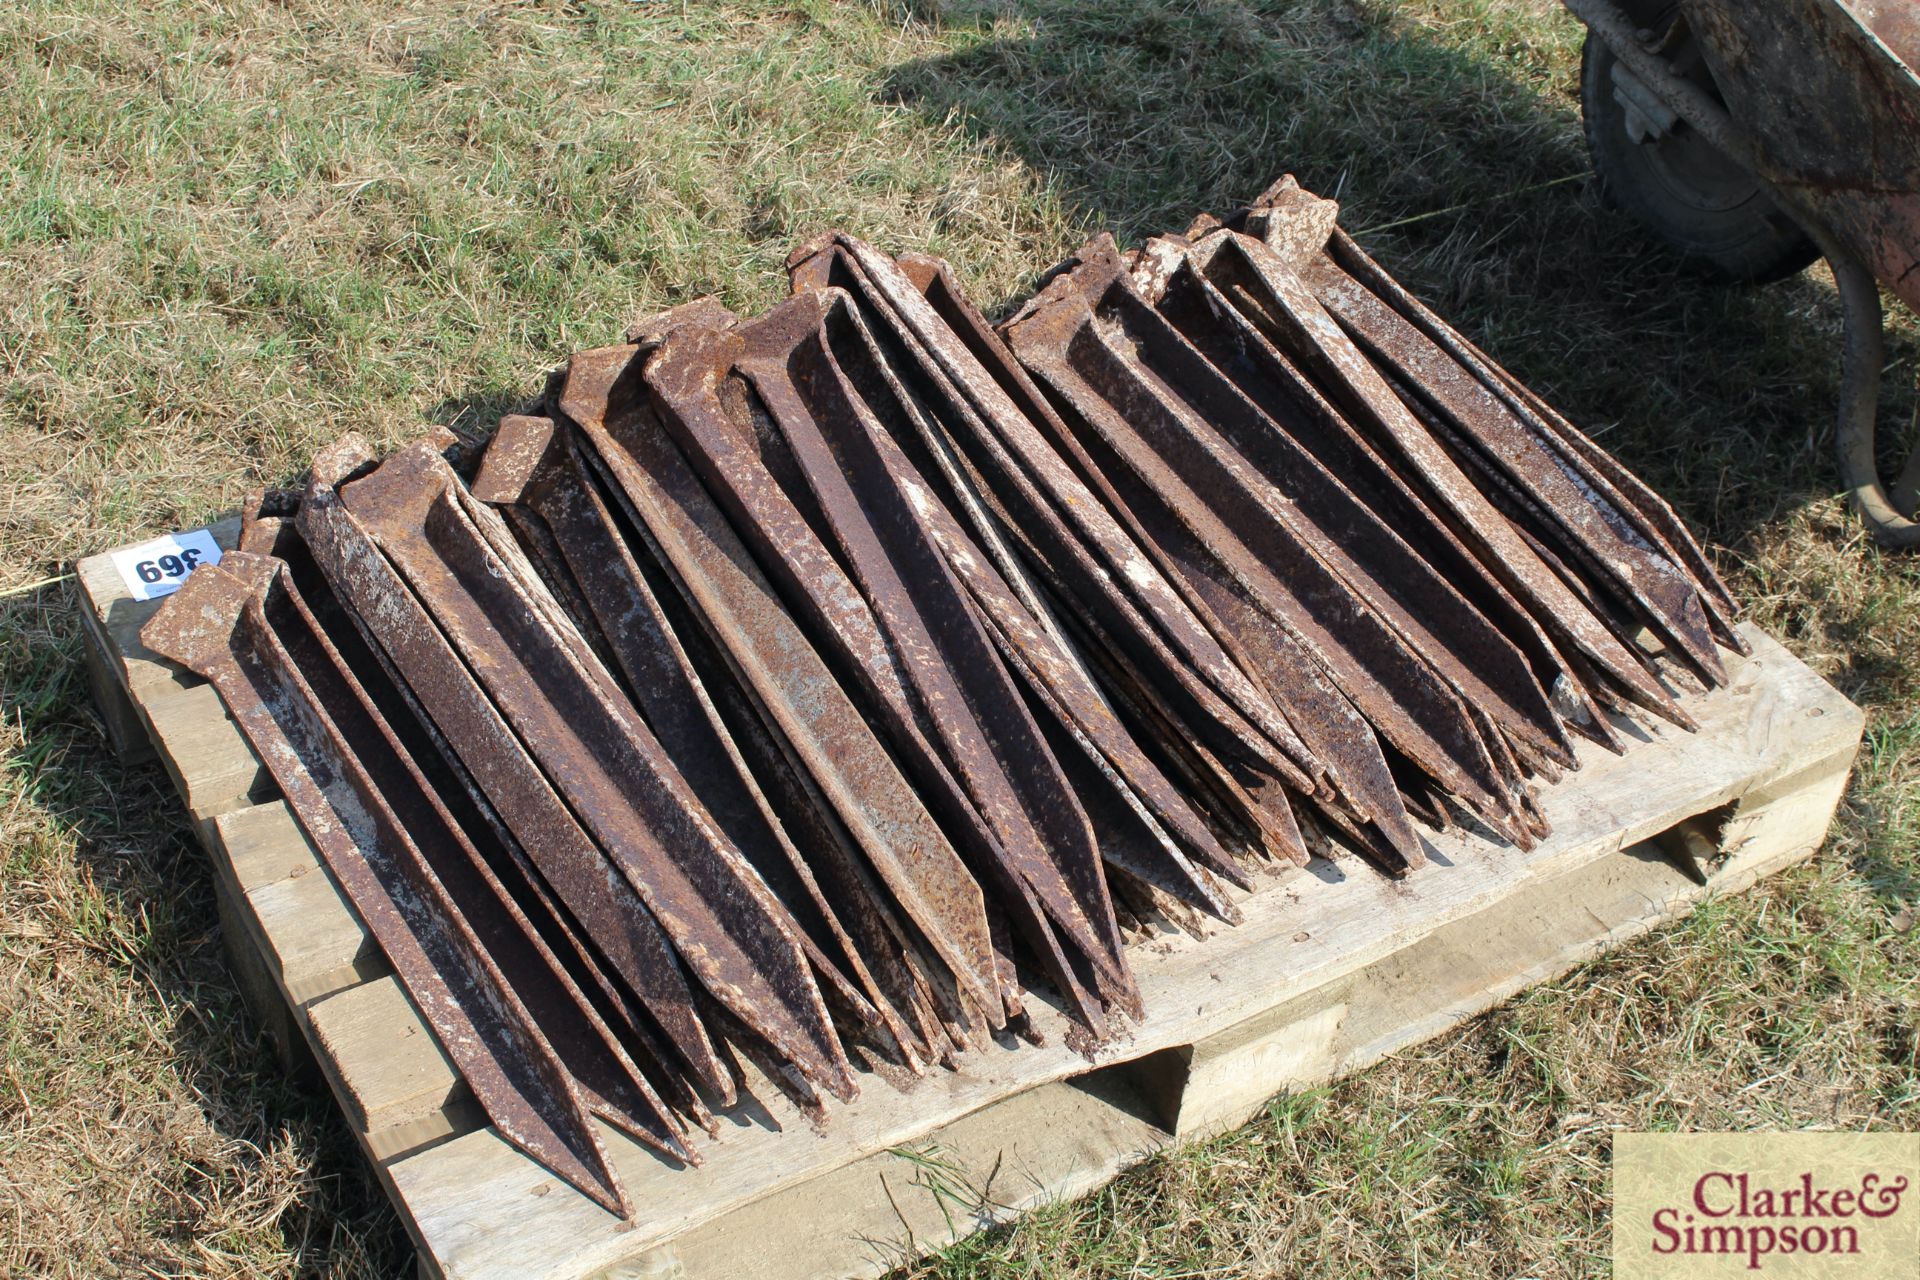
230	229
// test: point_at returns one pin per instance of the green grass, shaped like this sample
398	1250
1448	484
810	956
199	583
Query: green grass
231	229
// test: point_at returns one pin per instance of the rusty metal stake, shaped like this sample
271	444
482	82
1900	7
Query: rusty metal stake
724	924
831	742
216	626
609	911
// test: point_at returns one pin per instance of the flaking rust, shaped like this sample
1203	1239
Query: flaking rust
535	464
846	355
967	697
832	743
624	931
1164	444
1075	539
608	766
701	405
217	628
812	691
1283	305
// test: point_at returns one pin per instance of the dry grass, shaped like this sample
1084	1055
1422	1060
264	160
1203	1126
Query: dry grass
231	228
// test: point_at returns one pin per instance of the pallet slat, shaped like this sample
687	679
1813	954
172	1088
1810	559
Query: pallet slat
1351	966
393	1080
304	929
862	1217
204	751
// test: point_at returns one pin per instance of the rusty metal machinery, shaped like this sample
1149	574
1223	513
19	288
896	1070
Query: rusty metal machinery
1753	136
816	690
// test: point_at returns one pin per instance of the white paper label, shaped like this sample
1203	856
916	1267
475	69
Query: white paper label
157	568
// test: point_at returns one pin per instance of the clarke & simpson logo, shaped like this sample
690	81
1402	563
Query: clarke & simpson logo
1726	1215
1779	1204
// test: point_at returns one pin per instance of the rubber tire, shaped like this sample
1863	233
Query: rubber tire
1718	231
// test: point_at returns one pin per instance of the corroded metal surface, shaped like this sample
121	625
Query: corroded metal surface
947	759
1274	296
967	696
578	874
1082	545
1819	101
1172	435
1831	93
600	758
534	469
816	721
847	355
808	693
218	628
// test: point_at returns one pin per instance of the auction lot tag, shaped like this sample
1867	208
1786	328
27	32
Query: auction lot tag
1794	1205
157	568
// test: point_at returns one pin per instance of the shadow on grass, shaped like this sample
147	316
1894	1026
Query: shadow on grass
477	412
145	910
1457	154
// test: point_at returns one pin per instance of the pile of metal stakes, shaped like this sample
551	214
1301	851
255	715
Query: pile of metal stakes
814	689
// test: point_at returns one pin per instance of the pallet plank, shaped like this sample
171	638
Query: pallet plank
395	1083
302	926
864	1217
1056	1142
126	731
314	942
873	1215
208	758
265	845
263	997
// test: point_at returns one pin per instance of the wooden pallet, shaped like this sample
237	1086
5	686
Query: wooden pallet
1334	968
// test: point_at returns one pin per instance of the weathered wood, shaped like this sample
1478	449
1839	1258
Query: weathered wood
393	1080
126	732
1055	1142
264	845
1541	931
308	937
1350	967
263	997
177	714
1061	1140
204	752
